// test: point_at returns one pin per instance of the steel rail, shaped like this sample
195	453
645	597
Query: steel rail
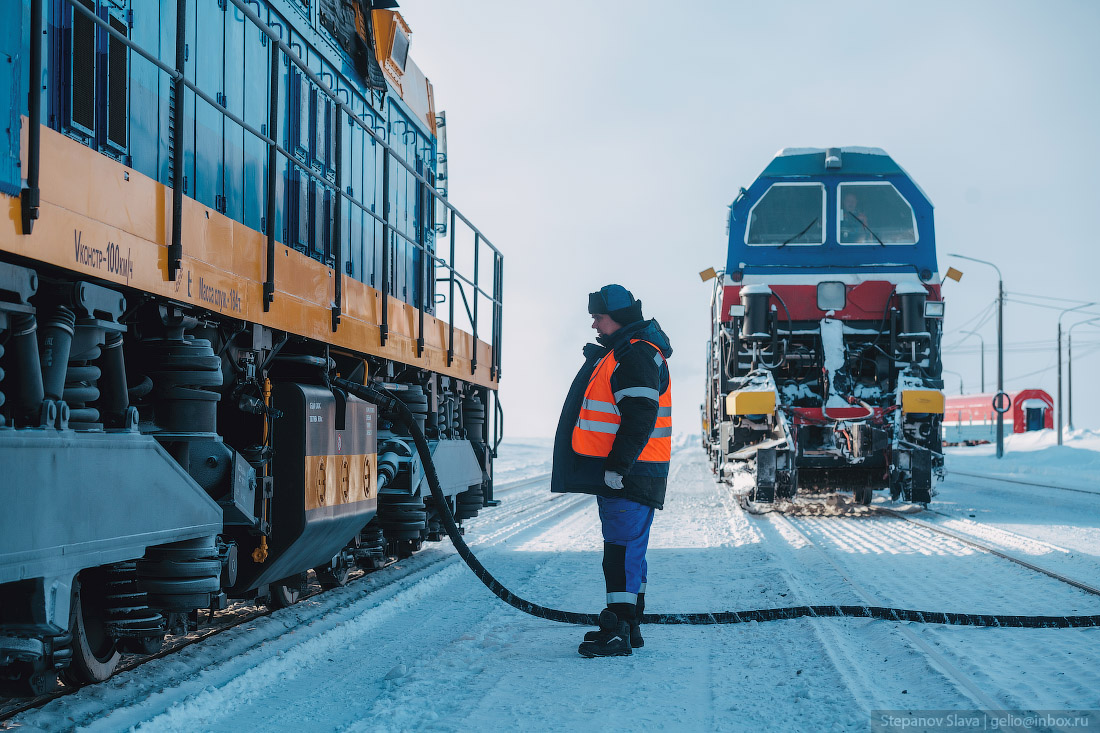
171	647
1020	481
945	665
991	550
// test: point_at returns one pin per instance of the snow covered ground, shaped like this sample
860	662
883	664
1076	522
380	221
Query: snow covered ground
422	645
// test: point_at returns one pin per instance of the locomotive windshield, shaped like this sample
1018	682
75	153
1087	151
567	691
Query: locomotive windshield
788	213
874	213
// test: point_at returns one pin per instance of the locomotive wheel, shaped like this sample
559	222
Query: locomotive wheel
284	593
788	485
333	575
406	548
95	653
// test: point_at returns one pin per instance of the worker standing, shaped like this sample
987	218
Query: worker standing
614	440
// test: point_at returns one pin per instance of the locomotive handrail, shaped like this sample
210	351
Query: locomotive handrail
461	291
177	76
175	249
242	5
370	129
29	196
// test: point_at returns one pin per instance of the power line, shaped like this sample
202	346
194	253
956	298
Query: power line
978	325
987	311
1015	347
1050	307
1051	365
1045	297
1037	344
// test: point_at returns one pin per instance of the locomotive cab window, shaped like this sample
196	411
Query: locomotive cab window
874	213
400	51
788	213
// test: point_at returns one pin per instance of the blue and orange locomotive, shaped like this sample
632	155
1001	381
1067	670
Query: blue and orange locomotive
215	209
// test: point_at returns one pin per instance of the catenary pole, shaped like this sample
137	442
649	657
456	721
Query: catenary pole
1061	416
1000	347
1069	369
962	390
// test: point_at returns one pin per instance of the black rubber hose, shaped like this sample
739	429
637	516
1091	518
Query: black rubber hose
391	404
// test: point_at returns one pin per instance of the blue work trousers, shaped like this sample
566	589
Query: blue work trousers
626	526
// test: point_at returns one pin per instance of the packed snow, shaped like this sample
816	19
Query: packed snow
832	341
422	645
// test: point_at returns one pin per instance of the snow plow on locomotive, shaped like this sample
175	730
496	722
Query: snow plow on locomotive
823	365
198	249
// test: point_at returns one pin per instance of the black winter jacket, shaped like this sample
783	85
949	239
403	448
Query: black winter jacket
643	482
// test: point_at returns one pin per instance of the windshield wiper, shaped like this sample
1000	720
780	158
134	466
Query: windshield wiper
799	234
864	225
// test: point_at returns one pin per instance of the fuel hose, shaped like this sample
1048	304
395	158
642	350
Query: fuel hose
389	403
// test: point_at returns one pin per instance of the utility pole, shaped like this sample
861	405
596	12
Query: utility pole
975	333
1000	348
961	389
1069	369
1060	414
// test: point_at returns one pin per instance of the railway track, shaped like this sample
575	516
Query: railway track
959	537
501	523
945	665
891	584
962	537
1017	481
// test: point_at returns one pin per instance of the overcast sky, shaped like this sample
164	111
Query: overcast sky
603	141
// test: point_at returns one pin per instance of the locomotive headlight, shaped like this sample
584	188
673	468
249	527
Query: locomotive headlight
831	296
933	309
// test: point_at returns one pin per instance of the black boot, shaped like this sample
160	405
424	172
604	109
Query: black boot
630	614
612	640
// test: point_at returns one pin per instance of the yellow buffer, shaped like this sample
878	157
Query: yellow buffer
922	400
750	402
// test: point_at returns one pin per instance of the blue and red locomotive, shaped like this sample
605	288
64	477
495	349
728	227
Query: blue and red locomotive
215	209
824	358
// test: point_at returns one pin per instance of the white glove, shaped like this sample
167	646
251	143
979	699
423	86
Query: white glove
613	480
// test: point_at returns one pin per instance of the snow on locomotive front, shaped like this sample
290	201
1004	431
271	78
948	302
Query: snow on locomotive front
824	360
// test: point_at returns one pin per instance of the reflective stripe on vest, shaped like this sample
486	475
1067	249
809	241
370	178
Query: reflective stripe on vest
599	418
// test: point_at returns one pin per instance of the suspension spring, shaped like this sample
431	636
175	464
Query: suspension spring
127	606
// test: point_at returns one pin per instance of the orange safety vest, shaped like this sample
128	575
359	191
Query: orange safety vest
599	417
